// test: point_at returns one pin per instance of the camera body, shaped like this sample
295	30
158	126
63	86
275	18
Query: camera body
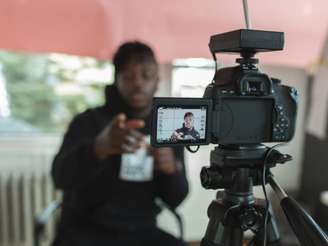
250	107
240	106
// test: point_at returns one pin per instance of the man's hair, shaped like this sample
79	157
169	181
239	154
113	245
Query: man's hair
188	114
128	51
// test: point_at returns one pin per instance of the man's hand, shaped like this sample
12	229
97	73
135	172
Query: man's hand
176	136
164	160
119	137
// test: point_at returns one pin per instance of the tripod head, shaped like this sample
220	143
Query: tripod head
226	160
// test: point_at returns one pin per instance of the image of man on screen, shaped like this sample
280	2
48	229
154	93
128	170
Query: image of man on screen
187	132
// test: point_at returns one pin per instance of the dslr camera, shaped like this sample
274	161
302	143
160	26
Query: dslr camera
240	106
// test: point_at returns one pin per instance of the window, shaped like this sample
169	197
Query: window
42	92
191	76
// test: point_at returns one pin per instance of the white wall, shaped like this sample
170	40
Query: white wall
28	153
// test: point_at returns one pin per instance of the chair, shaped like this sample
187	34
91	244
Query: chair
41	221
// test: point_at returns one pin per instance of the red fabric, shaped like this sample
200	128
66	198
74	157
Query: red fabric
175	28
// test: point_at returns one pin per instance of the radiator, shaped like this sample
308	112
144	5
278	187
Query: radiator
25	186
22	198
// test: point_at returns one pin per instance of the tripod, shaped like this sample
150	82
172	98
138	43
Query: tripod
236	169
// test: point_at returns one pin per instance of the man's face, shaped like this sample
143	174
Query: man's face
137	83
189	122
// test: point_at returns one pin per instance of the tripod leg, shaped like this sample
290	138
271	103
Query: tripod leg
218	234
273	237
222	236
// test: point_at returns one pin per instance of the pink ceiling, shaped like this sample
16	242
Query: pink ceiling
175	28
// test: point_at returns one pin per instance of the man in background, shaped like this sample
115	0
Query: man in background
109	174
187	132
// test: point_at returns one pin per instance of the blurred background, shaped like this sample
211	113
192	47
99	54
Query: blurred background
55	60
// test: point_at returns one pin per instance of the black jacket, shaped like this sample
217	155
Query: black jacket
193	134
93	192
